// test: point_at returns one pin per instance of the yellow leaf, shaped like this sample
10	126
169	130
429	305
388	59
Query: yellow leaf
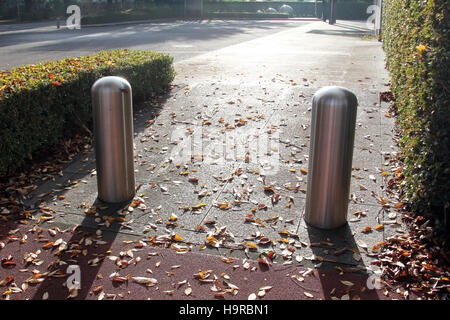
202	274
177	237
211	239
251	245
421	48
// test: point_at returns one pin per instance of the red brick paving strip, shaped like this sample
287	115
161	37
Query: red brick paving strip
173	271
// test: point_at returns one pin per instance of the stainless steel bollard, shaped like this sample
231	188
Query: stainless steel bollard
330	157
113	135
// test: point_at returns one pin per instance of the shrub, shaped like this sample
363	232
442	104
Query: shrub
39	102
133	15
416	42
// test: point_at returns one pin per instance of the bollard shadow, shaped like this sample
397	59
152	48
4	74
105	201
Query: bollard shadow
86	250
339	261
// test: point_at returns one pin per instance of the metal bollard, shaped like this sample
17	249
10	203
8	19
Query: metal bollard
113	135
330	157
332	12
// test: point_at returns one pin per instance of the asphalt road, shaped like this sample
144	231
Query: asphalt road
32	43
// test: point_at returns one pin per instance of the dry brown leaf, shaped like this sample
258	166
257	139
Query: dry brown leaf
73	293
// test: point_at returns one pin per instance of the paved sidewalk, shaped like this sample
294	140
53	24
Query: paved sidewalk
203	201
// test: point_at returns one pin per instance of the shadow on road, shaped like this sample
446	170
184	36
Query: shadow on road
122	36
85	251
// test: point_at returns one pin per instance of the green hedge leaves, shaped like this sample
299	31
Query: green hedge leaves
416	42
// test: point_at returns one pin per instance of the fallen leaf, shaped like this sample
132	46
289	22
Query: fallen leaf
265	288
361	243
347	283
73	293
177	237
202	274
48	245
149	282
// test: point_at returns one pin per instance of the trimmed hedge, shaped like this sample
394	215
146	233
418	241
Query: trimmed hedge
39	102
134	15
416	42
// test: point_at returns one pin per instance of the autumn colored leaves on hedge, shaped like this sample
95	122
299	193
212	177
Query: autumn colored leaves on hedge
40	102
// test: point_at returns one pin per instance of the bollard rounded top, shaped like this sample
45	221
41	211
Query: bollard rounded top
111	83
336	94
